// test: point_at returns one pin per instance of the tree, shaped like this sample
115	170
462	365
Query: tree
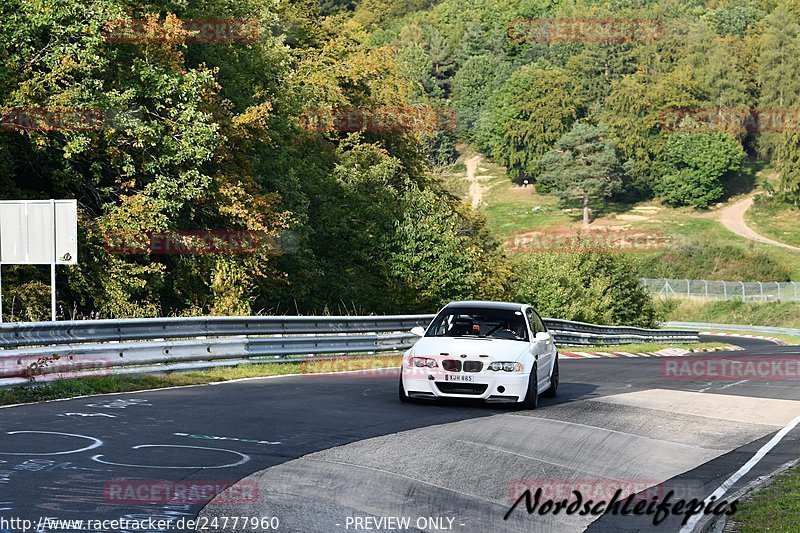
787	163
476	41
778	71
473	85
597	66
439	254
723	76
442	61
635	112
779	60
159	160
417	65
528	114
696	165
208	136
583	163
735	19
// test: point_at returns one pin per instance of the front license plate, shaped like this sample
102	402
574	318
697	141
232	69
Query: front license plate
462	379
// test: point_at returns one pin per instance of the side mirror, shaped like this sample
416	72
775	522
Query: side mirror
419	331
542	336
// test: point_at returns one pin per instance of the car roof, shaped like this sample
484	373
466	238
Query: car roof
509	306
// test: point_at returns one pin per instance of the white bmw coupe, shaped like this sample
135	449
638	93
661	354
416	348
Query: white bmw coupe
493	351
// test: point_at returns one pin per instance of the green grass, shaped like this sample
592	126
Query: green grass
775	221
713	261
70	388
775	314
636	348
776	507
509	209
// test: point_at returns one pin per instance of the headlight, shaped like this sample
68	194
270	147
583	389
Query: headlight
425	362
507	367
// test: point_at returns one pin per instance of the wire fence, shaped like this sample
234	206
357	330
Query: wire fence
745	291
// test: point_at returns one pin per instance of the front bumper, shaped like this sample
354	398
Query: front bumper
492	387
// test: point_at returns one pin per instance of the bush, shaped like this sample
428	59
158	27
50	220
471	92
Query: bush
588	287
697	167
690	187
27	301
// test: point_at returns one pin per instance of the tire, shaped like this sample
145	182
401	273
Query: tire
402	392
531	400
553	389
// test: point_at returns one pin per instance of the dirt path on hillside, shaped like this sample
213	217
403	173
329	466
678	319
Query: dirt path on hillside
732	217
475	188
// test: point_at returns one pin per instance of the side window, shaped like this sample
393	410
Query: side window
537	320
532	321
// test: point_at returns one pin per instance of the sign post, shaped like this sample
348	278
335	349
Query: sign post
39	232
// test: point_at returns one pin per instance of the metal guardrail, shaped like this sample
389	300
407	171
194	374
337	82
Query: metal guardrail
706	326
583	327
581	333
17	334
50	350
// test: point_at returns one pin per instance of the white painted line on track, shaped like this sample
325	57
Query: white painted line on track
732	384
724	386
743	470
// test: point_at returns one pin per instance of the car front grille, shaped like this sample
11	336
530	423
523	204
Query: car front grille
451	365
473	366
462	388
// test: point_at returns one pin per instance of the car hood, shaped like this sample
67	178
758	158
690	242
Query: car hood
496	349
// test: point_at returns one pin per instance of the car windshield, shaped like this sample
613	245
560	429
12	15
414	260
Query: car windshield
480	323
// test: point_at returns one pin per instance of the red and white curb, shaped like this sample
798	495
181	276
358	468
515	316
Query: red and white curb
666	352
745	335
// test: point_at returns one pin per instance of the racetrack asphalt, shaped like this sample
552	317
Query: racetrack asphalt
320	451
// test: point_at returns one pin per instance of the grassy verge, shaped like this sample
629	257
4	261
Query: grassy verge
70	388
636	348
775	314
774	508
775	221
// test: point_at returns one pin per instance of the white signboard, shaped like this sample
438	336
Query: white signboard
38	232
